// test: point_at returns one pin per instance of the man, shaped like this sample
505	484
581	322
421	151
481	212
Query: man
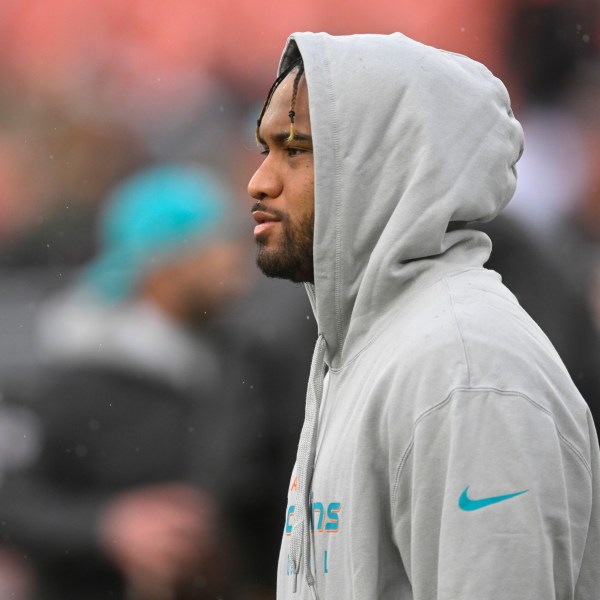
113	494
445	451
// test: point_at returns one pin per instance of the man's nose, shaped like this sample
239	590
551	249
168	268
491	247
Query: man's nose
265	183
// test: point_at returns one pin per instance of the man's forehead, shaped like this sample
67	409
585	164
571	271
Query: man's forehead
281	102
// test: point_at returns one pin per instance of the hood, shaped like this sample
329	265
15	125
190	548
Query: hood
411	143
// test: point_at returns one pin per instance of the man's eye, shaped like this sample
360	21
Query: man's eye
294	151
264	151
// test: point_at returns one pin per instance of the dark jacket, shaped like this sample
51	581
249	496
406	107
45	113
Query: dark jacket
101	420
100	432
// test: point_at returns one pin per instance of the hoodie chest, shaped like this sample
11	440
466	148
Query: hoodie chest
350	496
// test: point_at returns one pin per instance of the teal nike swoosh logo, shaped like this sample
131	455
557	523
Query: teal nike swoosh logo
465	503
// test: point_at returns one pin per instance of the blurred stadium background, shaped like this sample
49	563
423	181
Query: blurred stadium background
91	91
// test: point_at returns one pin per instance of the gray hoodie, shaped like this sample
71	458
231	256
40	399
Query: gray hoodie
446	454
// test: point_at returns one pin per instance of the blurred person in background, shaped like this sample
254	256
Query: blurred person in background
575	239
544	43
106	497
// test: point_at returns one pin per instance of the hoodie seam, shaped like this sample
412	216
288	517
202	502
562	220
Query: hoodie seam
458	330
337	194
404	458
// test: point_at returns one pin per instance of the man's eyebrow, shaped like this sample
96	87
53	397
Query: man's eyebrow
284	136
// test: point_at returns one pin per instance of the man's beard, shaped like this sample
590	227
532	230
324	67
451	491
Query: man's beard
293	259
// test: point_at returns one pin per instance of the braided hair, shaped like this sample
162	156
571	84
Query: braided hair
297	64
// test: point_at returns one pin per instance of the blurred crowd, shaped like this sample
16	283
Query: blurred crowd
151	381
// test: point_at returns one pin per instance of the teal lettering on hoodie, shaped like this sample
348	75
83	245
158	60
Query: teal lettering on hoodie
324	520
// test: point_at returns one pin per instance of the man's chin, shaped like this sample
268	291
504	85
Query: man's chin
271	263
281	265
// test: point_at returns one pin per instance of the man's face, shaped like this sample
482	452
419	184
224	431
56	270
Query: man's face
284	188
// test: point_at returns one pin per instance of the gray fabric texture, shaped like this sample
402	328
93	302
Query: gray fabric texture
454	458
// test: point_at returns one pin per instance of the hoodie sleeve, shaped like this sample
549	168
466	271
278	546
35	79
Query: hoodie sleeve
492	499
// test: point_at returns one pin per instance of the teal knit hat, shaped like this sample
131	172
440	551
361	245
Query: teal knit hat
152	217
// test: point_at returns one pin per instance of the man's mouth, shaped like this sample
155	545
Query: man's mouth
264	220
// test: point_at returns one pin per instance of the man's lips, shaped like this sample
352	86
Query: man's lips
264	219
